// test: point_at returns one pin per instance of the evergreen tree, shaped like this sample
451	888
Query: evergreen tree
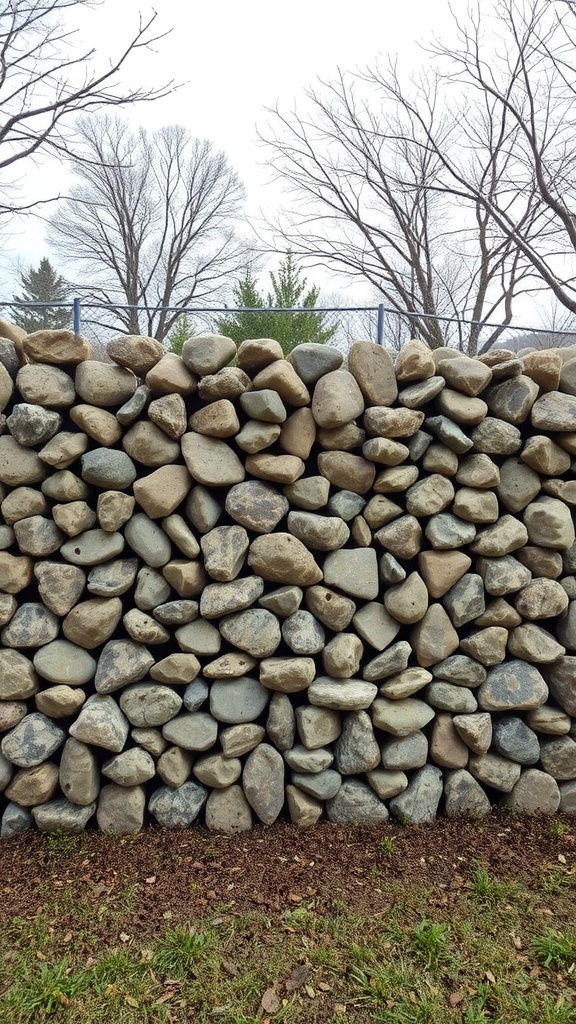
42	285
181	332
289	289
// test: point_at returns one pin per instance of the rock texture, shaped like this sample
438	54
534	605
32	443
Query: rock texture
235	586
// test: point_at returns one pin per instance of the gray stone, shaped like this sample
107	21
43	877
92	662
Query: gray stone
346	505
449	433
280	723
208	353
284	601
518	485
461	670
554	411
93	547
312	361
62	816
238	700
446	697
567	799
505	536
356	749
15	820
303	809
202	509
32	425
356	804
199	637
341	695
63	662
38	536
228	811
112	579
45	385
515	740
534	793
389	663
418	803
405	752
355	571
196	694
495	771
503	575
218	771
191	730
211	461
376	626
332	609
309	761
265	405
263	782
121	809
321	533
446	532
225	598
177	529
11	712
496	437
464	601
303	633
32	741
322	786
255	631
514	685
558	757
148	540
309	493
317	727
108	468
6	771
176	613
533	643
131	768
149	704
151	589
464	796
101	724
122	662
224	550
405	683
549	524
79	773
131	409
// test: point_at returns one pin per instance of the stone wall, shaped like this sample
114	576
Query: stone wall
232	592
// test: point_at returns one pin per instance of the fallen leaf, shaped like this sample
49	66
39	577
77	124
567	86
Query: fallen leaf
490	977
561	858
231	969
131	1001
455	998
270	1002
164	998
124	937
324	987
68	937
297	978
150	880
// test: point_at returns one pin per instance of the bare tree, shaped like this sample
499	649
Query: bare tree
151	223
519	58
365	168
45	81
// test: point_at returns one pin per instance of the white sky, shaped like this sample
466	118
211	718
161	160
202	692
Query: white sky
235	59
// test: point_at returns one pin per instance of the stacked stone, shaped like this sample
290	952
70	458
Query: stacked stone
233	584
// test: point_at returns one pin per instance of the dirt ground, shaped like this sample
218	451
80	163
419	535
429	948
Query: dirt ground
184	875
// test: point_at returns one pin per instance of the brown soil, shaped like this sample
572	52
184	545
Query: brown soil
186	875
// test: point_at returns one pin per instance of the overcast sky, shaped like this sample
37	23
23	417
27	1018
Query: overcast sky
234	60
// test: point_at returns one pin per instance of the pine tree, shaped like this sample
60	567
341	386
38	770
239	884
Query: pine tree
289	289
42	285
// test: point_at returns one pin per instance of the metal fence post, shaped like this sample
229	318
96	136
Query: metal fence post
380	325
76	315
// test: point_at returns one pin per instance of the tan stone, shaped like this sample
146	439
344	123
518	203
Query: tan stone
541	599
211	461
65	486
429	496
6	387
59	585
114	509
15	572
282	558
342	655
92	622
281	469
256	436
563	489
280	376
64	448
385	451
381	510
446	747
143	629
176	669
136	352
56	347
475	505
333	609
74	517
544	368
187	577
461	408
568	442
405	683
160	492
303	809
104	384
534	644
254	354
361	532
60	701
383	422
414	362
403	537
541	561
434	637
549	524
21	503
373	368
45	385
148	444
99	424
298	433
395	479
33	786
407	602
208	353
230	382
169	413
287	675
347	471
218	419
467	375
19	465
542	455
440	459
230	666
170	376
177	529
337	399
478	471
488	646
341	439
499	613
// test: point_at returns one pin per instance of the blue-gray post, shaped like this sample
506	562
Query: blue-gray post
380	325
76	315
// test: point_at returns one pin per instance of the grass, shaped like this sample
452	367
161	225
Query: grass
492	951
